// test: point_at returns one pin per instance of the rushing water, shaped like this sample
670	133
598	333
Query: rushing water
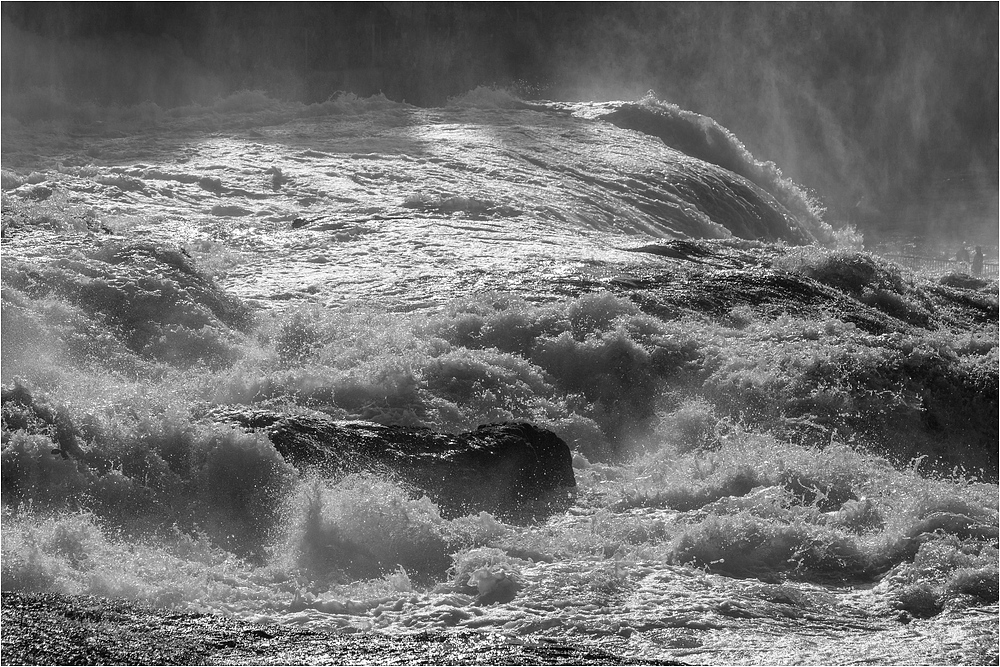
415	205
744	497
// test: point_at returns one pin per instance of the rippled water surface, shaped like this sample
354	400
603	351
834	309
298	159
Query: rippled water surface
409	206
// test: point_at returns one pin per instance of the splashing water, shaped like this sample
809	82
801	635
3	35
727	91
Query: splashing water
740	454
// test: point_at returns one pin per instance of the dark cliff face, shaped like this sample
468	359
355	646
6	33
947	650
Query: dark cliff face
512	470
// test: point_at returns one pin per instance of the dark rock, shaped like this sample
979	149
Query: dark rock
506	469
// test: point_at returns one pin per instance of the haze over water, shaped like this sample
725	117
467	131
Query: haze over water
784	446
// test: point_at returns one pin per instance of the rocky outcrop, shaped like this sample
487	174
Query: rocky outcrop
513	469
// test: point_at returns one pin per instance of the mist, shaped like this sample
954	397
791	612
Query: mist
888	112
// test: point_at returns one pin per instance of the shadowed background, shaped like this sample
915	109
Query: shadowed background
887	111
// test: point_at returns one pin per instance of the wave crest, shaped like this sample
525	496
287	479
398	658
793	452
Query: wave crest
702	137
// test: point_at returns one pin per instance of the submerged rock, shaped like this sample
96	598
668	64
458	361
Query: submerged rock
505	469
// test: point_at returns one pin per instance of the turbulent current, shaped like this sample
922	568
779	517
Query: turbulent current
784	447
416	205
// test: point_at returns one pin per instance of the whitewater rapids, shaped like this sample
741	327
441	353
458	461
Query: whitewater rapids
449	267
412	206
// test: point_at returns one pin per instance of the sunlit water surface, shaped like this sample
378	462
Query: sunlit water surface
402	209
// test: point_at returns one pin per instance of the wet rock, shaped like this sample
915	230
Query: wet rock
506	469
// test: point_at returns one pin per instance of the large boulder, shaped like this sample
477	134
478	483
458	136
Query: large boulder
510	470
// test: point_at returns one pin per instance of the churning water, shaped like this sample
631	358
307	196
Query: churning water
754	466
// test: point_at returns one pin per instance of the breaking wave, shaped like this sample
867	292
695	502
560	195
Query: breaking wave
703	138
